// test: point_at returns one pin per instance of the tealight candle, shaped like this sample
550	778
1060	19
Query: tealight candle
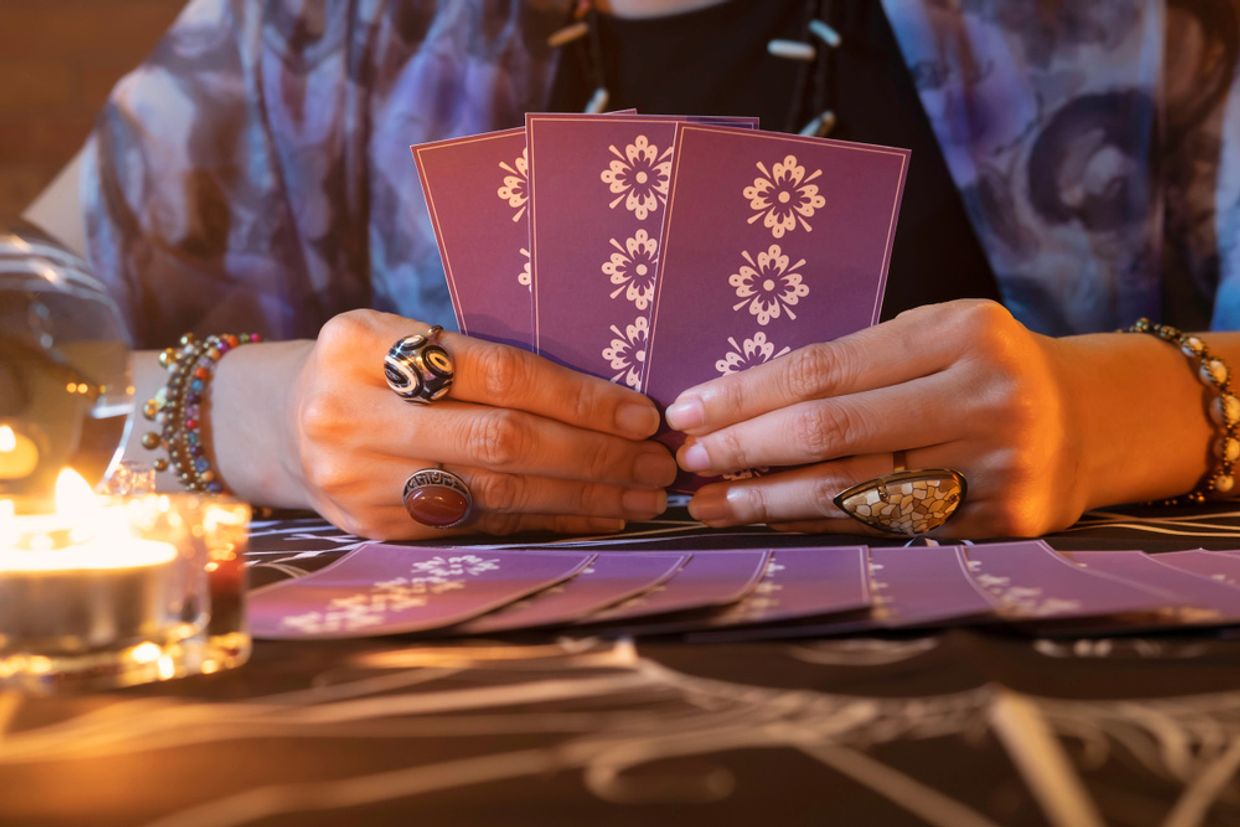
82	597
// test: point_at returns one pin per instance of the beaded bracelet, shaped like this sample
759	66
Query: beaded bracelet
1224	408
177	407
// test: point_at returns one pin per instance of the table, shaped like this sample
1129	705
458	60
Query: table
955	728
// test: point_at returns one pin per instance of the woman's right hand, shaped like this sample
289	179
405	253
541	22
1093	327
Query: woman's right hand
541	447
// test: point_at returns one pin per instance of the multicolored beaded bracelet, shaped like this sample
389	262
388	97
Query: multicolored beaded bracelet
1224	408
178	407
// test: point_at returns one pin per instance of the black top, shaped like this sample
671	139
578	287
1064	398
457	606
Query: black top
715	61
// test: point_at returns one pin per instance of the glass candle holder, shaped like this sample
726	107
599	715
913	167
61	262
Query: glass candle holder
121	591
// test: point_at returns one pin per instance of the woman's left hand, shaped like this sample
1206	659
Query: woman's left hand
959	385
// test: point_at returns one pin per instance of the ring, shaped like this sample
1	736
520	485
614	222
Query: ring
417	369
905	502
437	498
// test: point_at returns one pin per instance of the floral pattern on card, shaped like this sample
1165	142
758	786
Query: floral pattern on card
632	266
771	286
516	184
525	278
638	177
626	354
753	351
784	196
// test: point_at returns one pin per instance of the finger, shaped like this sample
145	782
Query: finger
395	524
498	375
498	439
906	347
799	494
517	494
883	420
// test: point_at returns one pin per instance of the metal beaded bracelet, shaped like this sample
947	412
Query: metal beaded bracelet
177	407
1224	408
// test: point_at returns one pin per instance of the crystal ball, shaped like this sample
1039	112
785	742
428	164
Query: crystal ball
65	388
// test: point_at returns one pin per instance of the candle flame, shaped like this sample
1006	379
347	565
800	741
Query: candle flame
73	494
8	439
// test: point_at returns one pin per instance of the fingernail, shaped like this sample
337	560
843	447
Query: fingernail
710	505
655	468
639	420
686	415
606	524
693	457
644	503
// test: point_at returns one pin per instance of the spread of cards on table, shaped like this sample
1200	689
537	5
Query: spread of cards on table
658	251
755	593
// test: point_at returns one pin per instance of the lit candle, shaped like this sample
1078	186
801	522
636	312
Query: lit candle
19	456
78	583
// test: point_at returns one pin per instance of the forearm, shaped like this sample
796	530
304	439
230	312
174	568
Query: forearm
1139	411
245	416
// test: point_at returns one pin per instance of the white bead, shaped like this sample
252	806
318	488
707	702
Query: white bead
1223	483
598	102
825	33
568	34
1213	372
1192	346
1225	410
821	126
791	49
1228	449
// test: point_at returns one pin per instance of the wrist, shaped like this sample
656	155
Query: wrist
1136	414
251	435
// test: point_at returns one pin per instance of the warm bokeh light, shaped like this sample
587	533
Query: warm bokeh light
8	439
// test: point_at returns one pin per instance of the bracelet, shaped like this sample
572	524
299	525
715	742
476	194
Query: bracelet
1224	408
177	407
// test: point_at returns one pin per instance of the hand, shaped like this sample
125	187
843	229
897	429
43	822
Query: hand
540	446
960	385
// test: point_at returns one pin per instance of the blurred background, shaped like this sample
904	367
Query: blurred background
58	61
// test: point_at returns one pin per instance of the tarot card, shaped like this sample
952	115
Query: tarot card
1219	566
477	192
909	587
710	579
771	242
384	589
1032	581
598	187
797	583
609	579
1195	598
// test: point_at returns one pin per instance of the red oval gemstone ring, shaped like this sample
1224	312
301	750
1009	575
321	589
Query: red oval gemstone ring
437	498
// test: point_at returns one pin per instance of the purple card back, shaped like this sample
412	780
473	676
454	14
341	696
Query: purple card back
598	189
477	192
382	589
1219	566
910	587
708	580
1197	599
610	579
771	242
1030	580
797	583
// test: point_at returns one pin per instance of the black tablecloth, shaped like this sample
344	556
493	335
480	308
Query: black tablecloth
955	728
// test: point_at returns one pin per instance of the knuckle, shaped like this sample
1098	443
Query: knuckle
1010	518
809	370
341	332
501	493
824	429
727	451
504	372
603	459
822	496
496	438
750	503
327	474
319	416
502	524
